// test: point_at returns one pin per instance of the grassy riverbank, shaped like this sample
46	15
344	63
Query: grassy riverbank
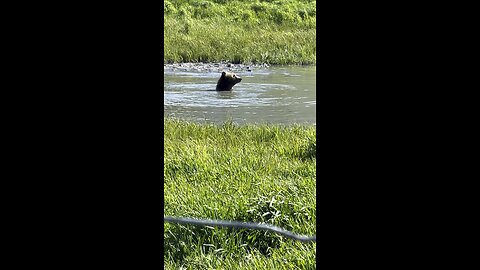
247	173
240	31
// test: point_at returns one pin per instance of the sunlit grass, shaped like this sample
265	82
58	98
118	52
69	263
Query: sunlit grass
253	173
274	32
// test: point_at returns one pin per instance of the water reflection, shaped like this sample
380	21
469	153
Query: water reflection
283	95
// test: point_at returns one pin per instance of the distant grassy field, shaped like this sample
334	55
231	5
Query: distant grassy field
240	31
246	173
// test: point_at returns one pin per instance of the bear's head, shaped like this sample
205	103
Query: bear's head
227	81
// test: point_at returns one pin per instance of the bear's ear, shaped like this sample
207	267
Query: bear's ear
223	74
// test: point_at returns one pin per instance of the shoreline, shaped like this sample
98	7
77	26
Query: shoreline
212	67
218	67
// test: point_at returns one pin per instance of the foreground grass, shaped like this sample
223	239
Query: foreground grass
240	31
248	173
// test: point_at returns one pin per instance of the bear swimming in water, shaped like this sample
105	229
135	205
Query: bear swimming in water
227	81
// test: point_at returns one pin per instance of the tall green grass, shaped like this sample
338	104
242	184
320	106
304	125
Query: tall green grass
240	31
247	173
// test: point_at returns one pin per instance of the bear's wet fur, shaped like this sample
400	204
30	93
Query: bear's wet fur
227	81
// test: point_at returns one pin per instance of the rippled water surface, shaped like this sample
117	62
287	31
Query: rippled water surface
282	95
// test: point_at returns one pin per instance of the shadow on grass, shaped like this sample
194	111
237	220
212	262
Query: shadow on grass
184	241
305	153
310	151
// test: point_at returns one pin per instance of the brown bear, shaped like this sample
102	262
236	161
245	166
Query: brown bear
227	81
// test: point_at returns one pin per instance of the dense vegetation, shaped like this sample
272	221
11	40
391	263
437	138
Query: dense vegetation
240	31
247	173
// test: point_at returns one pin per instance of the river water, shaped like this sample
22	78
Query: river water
277	94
